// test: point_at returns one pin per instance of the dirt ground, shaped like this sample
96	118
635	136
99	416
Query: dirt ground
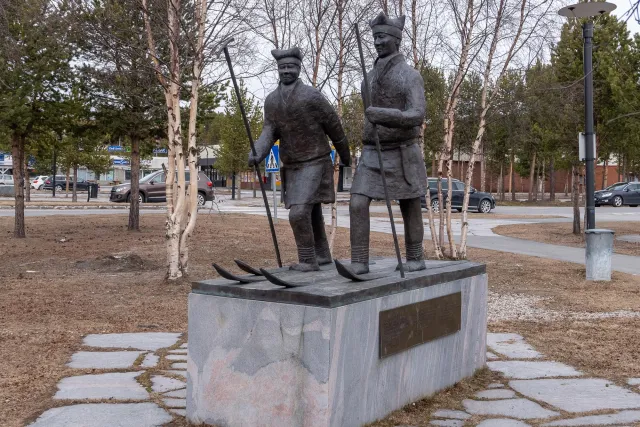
562	234
63	282
471	215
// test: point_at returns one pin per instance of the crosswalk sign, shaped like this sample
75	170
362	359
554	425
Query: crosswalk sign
273	160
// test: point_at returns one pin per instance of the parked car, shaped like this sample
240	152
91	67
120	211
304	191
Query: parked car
619	194
154	189
38	182
478	200
61	183
6	179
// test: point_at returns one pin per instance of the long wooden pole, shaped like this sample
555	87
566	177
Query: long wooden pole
253	150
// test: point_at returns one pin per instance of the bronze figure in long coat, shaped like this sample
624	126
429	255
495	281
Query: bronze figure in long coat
397	110
302	119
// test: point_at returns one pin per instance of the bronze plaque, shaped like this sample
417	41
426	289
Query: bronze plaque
414	324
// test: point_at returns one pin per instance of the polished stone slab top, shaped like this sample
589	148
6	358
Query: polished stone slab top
328	289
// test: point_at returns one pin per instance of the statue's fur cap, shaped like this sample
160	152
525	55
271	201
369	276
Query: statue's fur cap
383	24
288	56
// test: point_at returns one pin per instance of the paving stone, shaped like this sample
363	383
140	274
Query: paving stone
517	408
103	359
181	412
450	413
183	345
495	385
179	351
180	365
491	356
447	423
180	394
179	373
138	340
175	403
633	381
104	415
512	346
578	395
600	420
495	394
502	422
161	384
119	385
150	361
176	357
528	370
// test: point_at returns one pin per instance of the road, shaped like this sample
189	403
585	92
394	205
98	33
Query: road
480	229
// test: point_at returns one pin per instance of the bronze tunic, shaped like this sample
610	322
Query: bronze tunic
302	118
394	85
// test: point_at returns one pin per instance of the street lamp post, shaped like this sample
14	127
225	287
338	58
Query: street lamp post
599	243
588	10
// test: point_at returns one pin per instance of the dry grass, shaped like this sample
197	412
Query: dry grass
562	234
52	294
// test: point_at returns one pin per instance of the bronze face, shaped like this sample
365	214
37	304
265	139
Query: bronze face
385	44
410	325
288	73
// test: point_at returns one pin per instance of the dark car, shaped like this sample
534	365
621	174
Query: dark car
61	183
619	194
153	189
478	200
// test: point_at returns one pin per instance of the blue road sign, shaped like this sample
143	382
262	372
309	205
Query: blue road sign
1	157
273	160
333	156
160	150
120	161
115	148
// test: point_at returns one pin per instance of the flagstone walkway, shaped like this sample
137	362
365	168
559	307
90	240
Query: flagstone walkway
130	389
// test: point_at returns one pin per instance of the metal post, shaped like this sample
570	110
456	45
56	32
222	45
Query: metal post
275	201
54	167
233	186
587	35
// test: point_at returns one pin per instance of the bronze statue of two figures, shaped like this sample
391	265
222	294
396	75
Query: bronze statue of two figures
301	118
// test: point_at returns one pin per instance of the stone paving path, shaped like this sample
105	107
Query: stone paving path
128	388
541	392
128	378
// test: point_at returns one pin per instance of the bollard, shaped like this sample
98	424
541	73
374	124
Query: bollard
598	254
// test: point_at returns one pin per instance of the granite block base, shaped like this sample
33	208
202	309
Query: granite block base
313	358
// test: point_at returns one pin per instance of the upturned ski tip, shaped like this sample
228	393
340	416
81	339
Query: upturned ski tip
346	272
230	276
246	267
278	281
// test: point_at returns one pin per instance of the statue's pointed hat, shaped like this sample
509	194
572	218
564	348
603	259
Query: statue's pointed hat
383	24
288	56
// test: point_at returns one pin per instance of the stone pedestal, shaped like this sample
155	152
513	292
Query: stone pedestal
333	353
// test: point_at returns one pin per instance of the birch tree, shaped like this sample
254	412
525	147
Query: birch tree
524	12
188	31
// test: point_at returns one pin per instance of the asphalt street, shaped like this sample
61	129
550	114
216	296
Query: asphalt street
480	229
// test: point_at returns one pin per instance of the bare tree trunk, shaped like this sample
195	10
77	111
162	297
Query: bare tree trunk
17	156
134	193
27	183
336	164
501	183
566	183
512	181
543	180
239	186
66	190
74	191
552	179
575	198
532	176
483	169
605	174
